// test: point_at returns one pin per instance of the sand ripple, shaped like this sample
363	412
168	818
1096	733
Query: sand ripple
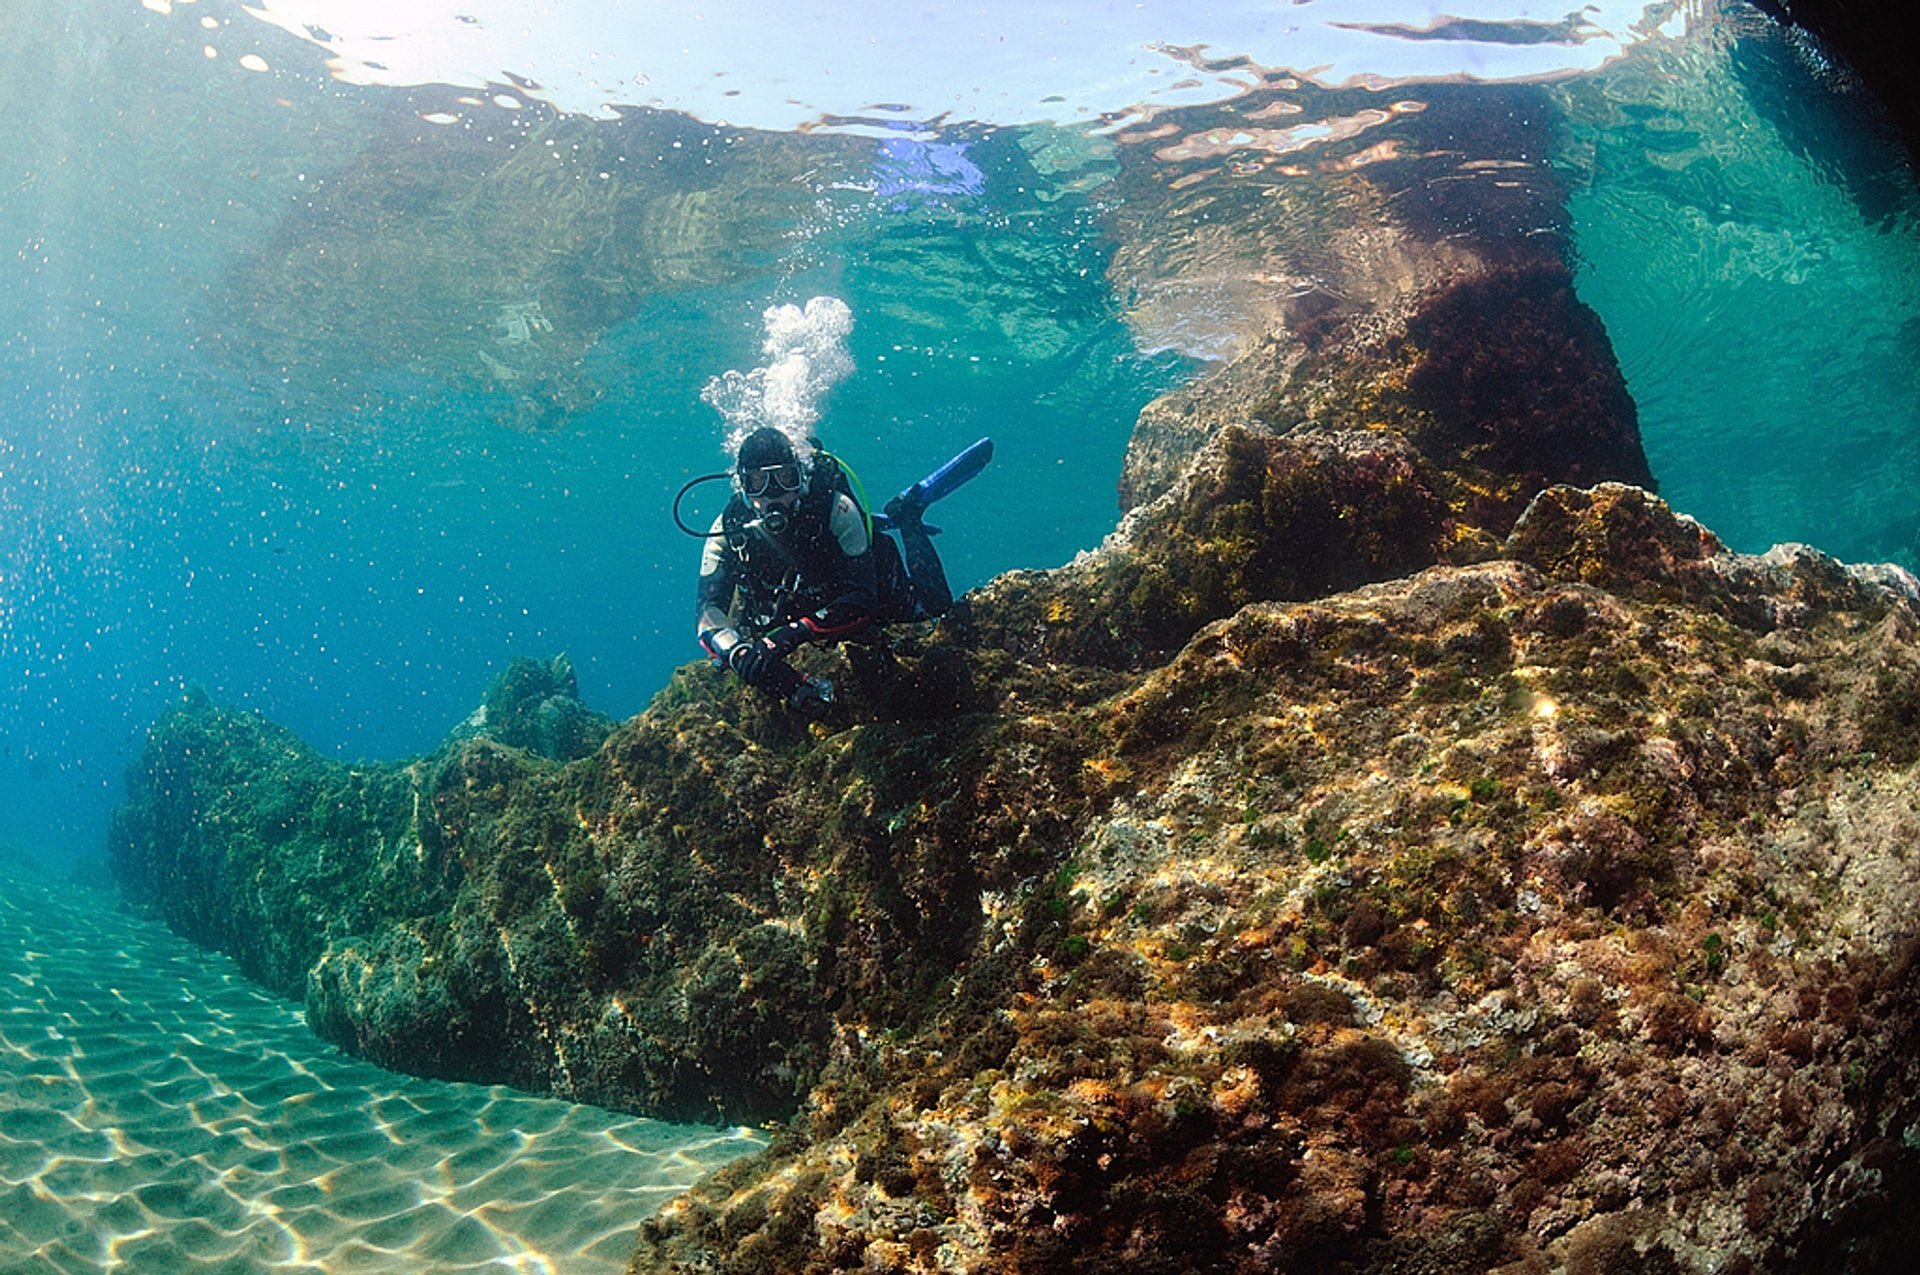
160	1114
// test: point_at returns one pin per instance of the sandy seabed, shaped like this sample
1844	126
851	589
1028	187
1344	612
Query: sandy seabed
161	1114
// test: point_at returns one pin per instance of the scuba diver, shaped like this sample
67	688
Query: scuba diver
795	559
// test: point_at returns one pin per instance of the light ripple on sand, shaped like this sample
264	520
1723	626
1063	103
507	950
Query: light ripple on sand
160	1114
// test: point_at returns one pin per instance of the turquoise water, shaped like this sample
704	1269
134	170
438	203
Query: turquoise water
267	423
354	545
1751	241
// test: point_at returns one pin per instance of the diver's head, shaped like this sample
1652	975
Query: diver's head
768	472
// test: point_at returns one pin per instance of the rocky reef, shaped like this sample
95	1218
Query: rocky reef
1405	845
1553	910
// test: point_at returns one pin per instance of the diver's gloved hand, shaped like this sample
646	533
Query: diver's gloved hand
906	508
786	639
752	661
755	660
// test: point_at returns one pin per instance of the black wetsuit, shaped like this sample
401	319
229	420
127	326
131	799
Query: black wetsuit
816	574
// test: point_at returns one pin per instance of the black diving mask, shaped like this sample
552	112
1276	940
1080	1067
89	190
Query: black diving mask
758	482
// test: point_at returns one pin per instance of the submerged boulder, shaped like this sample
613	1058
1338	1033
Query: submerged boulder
1547	912
536	705
243	838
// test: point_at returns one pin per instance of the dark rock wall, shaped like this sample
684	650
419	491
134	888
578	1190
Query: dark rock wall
1861	40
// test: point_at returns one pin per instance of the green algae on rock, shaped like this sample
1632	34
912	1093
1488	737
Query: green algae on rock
1553	910
1484	917
536	706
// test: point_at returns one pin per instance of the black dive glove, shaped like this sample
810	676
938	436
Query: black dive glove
753	661
786	639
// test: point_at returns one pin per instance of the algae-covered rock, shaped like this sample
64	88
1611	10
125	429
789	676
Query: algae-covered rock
1486	918
536	705
1256	517
244	838
1550	910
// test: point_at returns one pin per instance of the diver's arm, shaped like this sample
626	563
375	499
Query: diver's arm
713	619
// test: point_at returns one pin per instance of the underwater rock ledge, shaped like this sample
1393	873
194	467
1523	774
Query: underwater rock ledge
1554	910
1551	912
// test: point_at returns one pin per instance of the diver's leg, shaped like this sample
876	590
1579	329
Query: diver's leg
930	588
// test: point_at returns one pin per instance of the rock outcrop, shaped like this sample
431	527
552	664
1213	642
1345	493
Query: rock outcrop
1551	910
1402	846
